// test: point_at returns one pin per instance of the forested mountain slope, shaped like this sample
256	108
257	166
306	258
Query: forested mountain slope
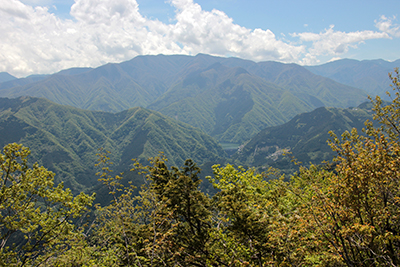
305	137
65	139
230	104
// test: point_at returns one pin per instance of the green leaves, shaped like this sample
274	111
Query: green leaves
259	217
35	215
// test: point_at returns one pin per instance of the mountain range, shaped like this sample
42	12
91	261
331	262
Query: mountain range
230	99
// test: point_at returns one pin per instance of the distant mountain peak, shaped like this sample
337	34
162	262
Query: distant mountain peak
5	77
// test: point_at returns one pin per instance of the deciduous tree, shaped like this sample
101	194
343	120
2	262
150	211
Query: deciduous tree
35	214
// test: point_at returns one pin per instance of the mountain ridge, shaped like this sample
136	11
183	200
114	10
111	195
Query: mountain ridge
65	139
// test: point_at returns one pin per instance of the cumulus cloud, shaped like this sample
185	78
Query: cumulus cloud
215	33
107	12
34	40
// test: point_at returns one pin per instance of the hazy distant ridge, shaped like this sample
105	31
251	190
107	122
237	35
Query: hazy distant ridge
370	75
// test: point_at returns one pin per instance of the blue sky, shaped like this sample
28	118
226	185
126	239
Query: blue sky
45	36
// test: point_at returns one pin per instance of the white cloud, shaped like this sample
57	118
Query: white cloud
385	24
107	12
331	42
215	33
34	40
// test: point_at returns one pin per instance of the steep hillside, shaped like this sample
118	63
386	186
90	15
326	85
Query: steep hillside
309	87
232	105
107	88
304	136
65	139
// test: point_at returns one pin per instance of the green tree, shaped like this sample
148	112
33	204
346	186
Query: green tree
35	214
250	222
166	224
259	219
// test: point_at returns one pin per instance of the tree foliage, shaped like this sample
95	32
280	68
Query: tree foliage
355	209
35	215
